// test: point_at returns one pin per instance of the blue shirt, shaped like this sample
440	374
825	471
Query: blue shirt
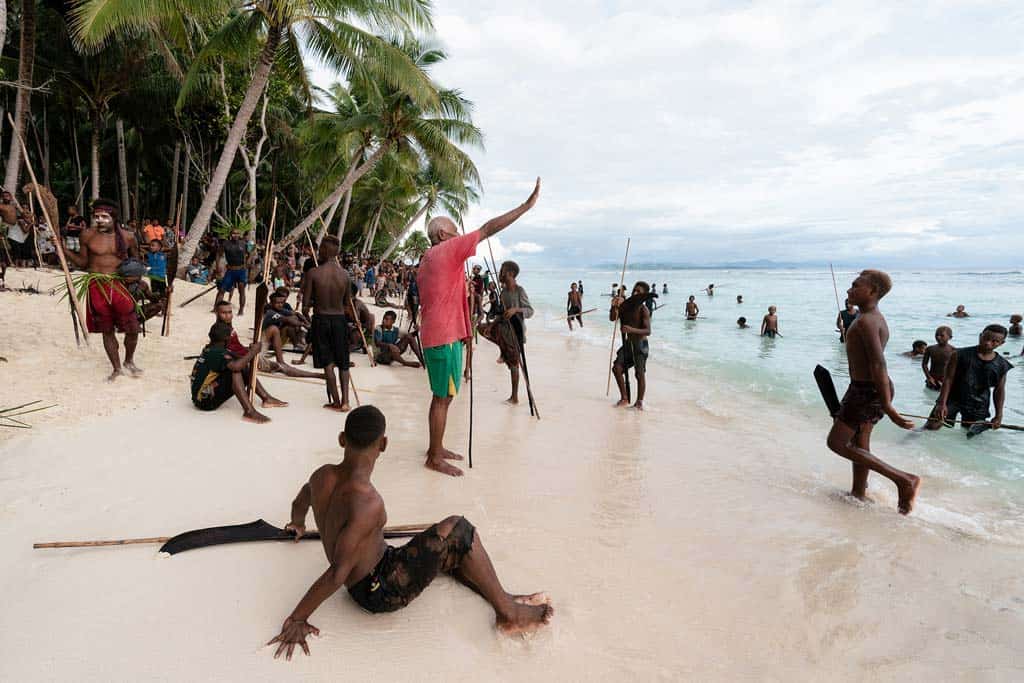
157	262
382	336
371	276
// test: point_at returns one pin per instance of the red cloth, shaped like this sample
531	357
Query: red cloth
235	346
442	284
110	307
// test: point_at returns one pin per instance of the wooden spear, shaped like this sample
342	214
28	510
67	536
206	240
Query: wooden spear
615	325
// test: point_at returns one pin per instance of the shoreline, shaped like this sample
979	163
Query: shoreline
702	539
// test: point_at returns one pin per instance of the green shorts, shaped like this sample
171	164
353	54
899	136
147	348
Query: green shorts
444	368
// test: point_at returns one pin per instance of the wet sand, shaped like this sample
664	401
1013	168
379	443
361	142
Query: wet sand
689	542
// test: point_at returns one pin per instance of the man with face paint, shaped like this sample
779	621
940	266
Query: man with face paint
103	247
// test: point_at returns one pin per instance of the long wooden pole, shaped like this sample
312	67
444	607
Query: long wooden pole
206	291
835	288
258	326
165	329
615	325
35	228
76	305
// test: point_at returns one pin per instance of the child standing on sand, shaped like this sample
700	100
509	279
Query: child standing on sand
869	396
770	324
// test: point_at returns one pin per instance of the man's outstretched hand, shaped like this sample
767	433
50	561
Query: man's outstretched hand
293	633
534	196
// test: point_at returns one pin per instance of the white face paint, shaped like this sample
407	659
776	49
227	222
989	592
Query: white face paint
103	221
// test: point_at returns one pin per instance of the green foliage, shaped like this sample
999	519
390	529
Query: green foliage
415	245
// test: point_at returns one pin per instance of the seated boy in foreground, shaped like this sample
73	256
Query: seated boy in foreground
869	396
391	343
350	515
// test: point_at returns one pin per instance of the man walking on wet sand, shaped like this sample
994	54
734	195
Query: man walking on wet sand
445	319
869	396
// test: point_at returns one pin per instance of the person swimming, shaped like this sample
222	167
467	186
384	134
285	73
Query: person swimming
1015	325
741	322
959	313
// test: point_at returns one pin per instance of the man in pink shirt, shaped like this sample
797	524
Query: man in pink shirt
445	322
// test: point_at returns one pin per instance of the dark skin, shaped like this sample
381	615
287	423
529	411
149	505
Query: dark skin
350	515
636	329
437	416
98	254
575	299
988	342
770	323
935	359
327	290
393	352
865	347
288	326
241	391
235	237
692	309
226	314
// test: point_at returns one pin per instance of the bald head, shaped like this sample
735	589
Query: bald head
441	228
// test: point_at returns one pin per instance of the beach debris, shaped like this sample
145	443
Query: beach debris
8	416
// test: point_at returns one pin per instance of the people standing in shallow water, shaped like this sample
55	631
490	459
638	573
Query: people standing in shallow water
917	349
574	305
635	326
350	515
870	394
770	324
935	358
692	309
959	313
845	319
664	288
975	377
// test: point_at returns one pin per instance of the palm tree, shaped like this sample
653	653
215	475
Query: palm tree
26	61
327	29
396	122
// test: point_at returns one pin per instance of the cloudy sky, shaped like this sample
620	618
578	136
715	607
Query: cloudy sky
727	131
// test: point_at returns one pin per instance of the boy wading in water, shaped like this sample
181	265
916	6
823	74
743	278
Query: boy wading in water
635	325
350	515
936	357
574	306
770	324
514	307
971	375
869	396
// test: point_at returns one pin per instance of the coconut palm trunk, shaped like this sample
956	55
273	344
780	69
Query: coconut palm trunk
122	173
346	185
227	157
94	144
3	23
327	222
22	102
372	232
401	235
344	214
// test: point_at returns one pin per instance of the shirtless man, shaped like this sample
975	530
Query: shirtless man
960	312
226	314
350	516
445	322
770	324
327	290
574	306
235	276
935	358
102	248
636	328
869	396
692	309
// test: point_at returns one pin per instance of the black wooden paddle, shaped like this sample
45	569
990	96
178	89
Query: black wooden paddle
828	389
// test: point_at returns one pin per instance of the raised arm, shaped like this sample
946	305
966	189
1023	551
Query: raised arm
496	225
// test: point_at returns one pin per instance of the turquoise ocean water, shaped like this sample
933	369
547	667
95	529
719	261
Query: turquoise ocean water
990	466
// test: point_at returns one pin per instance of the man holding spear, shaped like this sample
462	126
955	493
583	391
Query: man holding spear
445	321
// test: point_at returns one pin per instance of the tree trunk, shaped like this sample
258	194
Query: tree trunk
368	237
330	217
174	178
227	156
401	235
352	177
185	175
46	149
97	123
344	214
78	167
122	173
3	24
22	105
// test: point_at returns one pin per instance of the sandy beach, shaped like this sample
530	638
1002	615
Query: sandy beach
691	542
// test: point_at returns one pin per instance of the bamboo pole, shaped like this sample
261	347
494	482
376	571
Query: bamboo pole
76	305
266	274
566	317
615	325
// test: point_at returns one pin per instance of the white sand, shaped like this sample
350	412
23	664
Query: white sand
691	542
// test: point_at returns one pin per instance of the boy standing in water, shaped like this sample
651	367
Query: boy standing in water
971	375
574	305
869	396
936	357
692	309
635	326
770	324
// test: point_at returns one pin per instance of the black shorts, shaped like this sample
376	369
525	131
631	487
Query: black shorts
222	391
159	287
404	572
328	335
861	404
967	414
626	358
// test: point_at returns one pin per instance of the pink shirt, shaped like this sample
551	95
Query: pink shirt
444	310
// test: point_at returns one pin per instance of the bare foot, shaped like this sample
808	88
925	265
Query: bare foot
622	403
531	599
414	364
908	494
337	407
525	618
114	375
271	402
133	368
500	361
439	465
450	455
255	417
512	401
639	405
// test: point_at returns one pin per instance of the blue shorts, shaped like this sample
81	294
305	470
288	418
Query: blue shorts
232	278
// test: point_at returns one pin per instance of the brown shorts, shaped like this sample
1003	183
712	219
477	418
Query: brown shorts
861	404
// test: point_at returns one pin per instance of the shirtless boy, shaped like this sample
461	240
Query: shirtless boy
935	358
975	376
741	322
692	309
391	343
869	396
959	313
327	290
102	248
917	349
350	516
770	324
1016	329
574	306
636	328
